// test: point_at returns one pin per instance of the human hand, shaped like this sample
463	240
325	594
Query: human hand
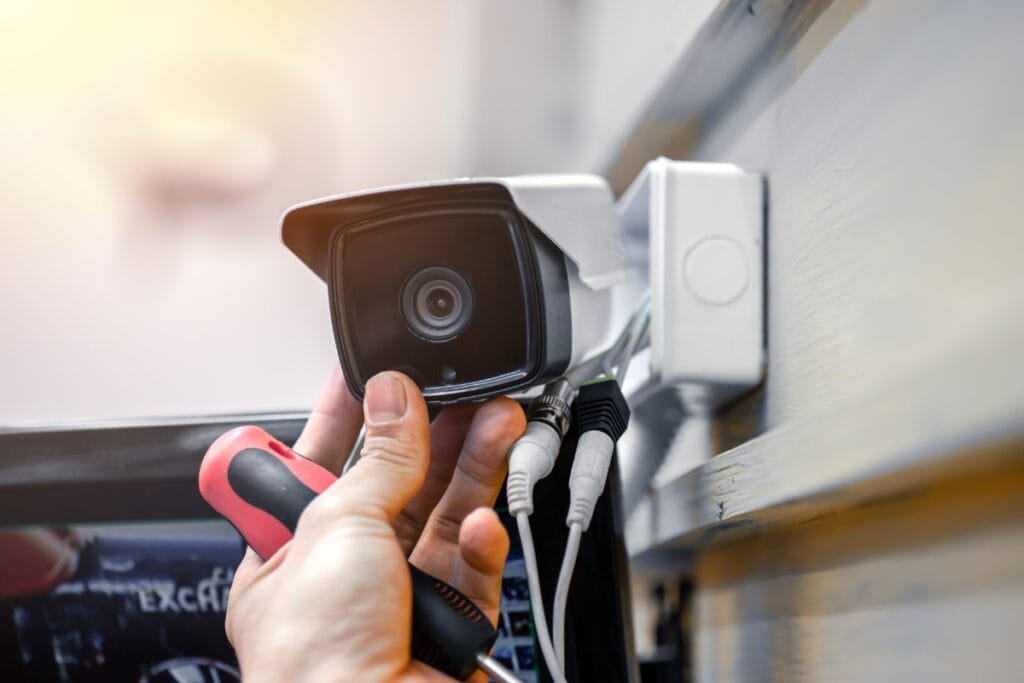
36	560
334	604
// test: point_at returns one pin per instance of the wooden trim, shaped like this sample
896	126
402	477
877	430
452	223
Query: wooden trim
938	422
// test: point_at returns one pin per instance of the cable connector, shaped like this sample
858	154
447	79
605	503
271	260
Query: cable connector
553	407
531	459
602	415
601	407
533	456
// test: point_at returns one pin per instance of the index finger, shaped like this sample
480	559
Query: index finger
479	473
333	425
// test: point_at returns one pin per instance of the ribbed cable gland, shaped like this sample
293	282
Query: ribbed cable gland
581	512
589	475
519	493
601	407
530	460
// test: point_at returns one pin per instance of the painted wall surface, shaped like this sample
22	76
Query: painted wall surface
892	142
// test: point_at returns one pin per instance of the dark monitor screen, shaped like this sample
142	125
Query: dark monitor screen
145	601
125	602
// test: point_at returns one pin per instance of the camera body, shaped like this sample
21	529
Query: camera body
472	287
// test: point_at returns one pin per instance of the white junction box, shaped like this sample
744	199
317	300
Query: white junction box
704	223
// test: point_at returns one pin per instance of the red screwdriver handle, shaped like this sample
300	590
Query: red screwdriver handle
261	486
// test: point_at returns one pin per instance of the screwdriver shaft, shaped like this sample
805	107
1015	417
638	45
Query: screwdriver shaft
493	668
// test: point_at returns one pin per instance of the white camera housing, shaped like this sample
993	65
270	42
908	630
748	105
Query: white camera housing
473	286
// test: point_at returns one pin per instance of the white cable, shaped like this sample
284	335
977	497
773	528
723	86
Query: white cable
624	347
588	368
540	623
637	333
572	549
587	480
533	457
355	453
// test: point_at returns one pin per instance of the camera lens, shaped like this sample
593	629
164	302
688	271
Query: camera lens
437	303
440	302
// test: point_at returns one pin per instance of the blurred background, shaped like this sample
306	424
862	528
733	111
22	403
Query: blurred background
862	516
148	150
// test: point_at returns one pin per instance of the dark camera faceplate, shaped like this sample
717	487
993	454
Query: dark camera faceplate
486	244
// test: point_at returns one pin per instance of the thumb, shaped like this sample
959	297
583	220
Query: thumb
395	452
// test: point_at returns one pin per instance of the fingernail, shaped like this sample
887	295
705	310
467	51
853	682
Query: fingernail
385	398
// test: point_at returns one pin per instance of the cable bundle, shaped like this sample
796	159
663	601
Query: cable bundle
602	415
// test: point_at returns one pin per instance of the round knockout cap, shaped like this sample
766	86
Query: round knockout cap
715	270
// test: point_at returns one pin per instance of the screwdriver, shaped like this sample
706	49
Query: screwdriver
261	486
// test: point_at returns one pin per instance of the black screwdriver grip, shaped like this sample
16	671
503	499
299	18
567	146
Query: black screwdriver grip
262	487
448	629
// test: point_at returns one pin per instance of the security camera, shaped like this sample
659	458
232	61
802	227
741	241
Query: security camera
472	287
